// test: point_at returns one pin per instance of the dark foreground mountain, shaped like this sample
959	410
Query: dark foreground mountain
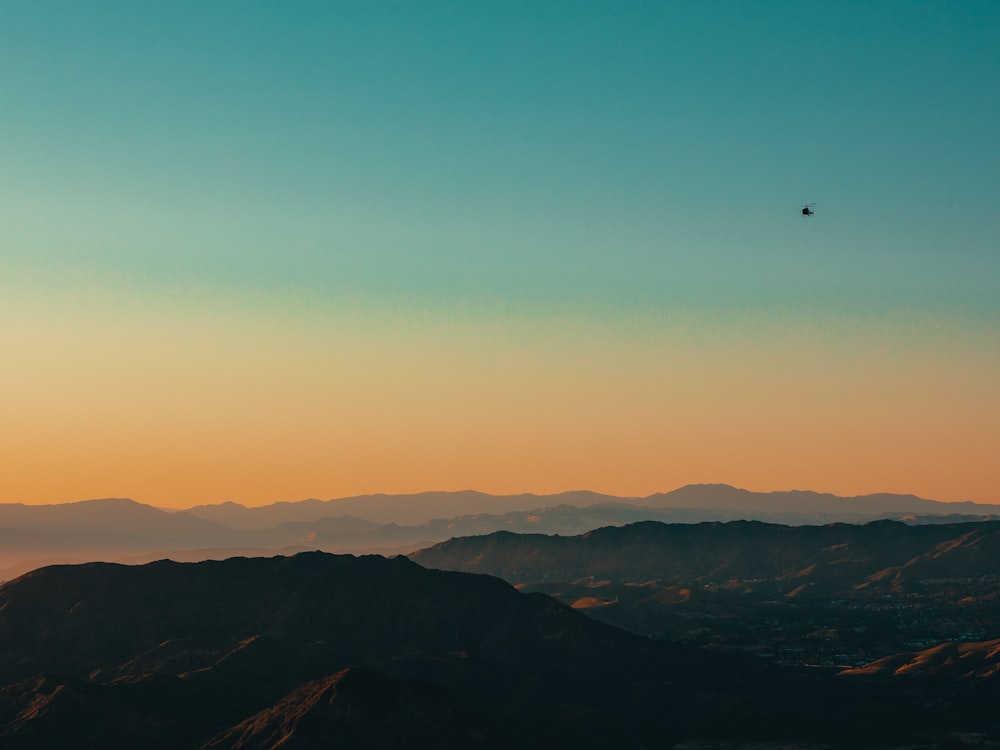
319	650
360	708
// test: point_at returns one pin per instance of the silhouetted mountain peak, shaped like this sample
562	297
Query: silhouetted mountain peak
726	497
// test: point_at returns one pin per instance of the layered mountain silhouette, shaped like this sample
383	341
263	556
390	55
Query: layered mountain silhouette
320	650
410	509
916	607
126	531
721	502
879	553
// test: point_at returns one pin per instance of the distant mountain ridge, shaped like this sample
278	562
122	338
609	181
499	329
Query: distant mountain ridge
878	553
124	530
406	509
725	497
413	509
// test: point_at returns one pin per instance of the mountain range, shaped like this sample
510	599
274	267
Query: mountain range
739	634
127	531
915	606
318	650
879	554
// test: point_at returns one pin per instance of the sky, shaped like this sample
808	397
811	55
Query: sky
257	251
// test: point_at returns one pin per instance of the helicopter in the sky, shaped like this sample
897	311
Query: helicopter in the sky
807	209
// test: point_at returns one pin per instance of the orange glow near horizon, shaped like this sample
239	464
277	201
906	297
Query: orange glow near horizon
524	248
176	412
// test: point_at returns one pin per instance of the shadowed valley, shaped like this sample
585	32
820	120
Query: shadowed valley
648	635
378	652
915	609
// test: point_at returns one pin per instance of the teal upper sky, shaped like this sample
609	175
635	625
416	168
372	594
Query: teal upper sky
635	155
261	250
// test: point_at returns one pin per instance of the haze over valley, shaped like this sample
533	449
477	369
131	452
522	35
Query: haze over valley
719	633
127	531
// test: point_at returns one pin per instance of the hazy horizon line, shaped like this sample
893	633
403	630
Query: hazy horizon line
472	491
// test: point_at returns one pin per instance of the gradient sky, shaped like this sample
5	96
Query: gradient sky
261	251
